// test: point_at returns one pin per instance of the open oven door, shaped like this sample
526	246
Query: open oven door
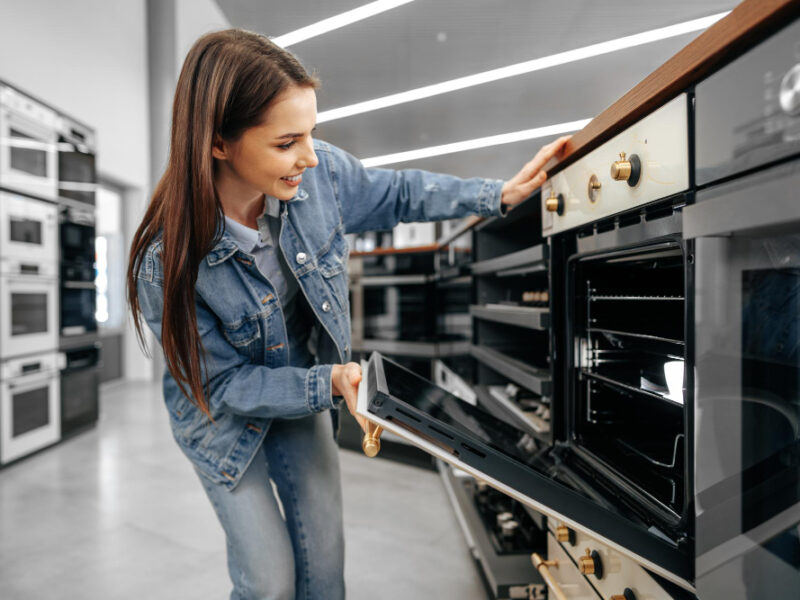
491	450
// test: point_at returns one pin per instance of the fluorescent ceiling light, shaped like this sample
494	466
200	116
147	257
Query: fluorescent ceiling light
337	21
530	66
484	142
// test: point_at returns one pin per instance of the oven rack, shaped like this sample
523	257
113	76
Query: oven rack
521	316
534	379
598	297
626	386
644	336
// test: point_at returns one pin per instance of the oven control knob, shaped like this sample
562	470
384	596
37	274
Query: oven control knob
593	189
591	564
555	203
564	534
626	595
627	169
789	95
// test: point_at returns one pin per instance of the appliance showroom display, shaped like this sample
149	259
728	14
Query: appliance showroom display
673	470
77	149
77	270
28	148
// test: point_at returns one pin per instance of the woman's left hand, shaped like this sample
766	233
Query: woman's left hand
531	176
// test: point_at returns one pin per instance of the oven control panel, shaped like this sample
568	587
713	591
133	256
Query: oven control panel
646	162
606	570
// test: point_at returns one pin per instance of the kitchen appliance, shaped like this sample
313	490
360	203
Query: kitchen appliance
80	381
77	175
28	229
29	405
77	285
28	155
28	307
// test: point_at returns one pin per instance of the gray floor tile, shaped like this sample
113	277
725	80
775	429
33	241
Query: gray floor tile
117	513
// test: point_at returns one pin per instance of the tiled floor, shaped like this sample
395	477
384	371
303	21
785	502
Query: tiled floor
117	512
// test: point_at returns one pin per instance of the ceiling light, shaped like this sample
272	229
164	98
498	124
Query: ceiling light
337	21
536	64
484	142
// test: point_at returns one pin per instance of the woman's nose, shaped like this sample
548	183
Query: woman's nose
309	158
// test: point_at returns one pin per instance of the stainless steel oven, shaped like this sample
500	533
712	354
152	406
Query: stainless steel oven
28	228
78	293
29	405
28	307
80	383
77	174
28	155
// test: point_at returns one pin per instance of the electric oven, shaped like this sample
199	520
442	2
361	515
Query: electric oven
28	155
29	405
28	228
28	307
77	175
78	293
80	384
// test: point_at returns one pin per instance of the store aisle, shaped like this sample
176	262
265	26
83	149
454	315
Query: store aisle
118	513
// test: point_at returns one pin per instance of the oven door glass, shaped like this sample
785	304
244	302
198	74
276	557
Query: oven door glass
747	388
507	458
77	243
29	315
78	306
29	415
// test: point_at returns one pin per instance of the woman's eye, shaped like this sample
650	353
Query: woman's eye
286	146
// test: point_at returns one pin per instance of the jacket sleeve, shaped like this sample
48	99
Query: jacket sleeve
378	199
235	385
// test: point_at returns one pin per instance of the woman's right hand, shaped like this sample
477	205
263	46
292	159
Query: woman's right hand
344	382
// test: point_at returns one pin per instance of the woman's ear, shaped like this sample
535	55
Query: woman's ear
219	149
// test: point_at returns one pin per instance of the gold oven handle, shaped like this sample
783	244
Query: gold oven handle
543	566
371	443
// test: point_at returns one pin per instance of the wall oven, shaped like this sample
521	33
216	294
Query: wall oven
28	228
29	405
77	175
77	286
28	155
80	381
28	308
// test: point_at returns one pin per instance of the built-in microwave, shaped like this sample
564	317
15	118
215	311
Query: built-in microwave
28	153
77	174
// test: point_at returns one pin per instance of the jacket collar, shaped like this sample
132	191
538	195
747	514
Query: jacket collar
227	247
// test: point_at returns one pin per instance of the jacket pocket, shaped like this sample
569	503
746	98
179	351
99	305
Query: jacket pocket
243	335
332	266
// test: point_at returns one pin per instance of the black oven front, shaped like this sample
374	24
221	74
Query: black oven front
77	267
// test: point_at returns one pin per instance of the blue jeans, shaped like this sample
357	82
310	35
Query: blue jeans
301	556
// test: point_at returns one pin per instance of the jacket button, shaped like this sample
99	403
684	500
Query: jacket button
326	306
301	258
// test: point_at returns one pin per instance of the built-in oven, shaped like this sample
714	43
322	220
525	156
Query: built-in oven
28	155
77	174
80	385
78	295
29	405
28	228
28	307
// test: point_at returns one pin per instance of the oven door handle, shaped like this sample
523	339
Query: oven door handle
764	203
32	381
78	285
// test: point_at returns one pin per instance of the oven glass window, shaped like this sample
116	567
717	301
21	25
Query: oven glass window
30	160
28	313
25	231
75	166
78	308
30	411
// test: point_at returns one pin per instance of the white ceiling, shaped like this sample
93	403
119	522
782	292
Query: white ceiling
429	41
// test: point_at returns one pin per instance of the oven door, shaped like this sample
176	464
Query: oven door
28	229
80	381
28	160
78	307
28	315
29	406
747	385
498	453
77	176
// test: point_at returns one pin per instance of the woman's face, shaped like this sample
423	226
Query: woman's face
271	157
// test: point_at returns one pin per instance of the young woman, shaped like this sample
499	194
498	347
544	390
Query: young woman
239	269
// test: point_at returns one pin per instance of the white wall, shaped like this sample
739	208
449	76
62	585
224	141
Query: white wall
193	18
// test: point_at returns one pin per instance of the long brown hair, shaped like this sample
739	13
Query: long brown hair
227	82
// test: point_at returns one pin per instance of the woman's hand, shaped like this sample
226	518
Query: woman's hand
344	382
530	177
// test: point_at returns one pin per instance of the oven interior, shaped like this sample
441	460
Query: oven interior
629	413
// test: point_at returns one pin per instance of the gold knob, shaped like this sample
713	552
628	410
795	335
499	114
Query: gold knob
621	169
371	444
626	595
586	563
562	533
551	204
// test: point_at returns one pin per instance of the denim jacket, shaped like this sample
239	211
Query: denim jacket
240	319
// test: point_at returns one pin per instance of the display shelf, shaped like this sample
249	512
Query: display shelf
534	379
